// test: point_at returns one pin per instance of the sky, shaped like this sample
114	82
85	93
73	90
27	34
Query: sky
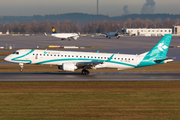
106	7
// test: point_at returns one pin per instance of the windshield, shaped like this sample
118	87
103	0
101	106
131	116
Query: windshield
15	53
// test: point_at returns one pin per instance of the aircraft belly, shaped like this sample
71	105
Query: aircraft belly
119	66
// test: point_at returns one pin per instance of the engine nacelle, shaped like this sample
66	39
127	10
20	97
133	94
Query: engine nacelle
68	67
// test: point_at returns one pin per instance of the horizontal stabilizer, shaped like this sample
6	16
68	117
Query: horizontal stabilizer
167	60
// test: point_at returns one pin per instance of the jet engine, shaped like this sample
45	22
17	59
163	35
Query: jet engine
68	67
116	34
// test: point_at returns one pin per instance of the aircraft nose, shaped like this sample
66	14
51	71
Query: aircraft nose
7	58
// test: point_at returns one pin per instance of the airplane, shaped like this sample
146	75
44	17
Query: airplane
71	61
112	34
63	36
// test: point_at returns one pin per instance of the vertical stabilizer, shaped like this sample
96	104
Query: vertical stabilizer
157	55
53	30
160	50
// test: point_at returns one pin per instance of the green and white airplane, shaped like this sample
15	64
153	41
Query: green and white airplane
71	61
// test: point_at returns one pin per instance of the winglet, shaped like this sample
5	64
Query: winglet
45	34
110	58
97	51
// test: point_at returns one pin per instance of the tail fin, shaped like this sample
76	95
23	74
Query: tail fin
53	30
160	50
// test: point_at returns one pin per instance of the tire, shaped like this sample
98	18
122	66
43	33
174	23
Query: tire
20	69
85	72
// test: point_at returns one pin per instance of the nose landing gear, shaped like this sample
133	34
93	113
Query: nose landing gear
21	65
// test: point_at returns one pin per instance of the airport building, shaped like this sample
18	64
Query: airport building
176	30
147	31
151	31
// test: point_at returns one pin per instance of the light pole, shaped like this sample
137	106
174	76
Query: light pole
97	7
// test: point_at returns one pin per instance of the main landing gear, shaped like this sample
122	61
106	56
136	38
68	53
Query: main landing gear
85	72
21	65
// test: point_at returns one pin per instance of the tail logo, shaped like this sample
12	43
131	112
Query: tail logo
162	47
53	30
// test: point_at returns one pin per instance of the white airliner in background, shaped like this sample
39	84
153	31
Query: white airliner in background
63	36
71	61
112	34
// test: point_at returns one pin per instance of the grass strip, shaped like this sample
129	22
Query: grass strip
5	53
90	100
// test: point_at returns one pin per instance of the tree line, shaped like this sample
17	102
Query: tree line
88	27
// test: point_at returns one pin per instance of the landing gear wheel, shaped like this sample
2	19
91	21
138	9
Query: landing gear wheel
20	69
21	65
85	72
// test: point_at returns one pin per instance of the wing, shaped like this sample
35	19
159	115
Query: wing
88	65
47	35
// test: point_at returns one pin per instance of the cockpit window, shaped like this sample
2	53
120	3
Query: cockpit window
17	53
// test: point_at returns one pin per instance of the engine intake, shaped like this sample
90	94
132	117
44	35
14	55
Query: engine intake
68	67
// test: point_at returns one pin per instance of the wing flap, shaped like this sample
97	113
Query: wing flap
88	64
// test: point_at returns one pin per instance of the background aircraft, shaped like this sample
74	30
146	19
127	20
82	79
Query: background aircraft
63	36
71	61
112	34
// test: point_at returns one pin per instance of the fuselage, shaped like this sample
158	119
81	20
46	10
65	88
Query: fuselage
65	35
111	34
49	57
